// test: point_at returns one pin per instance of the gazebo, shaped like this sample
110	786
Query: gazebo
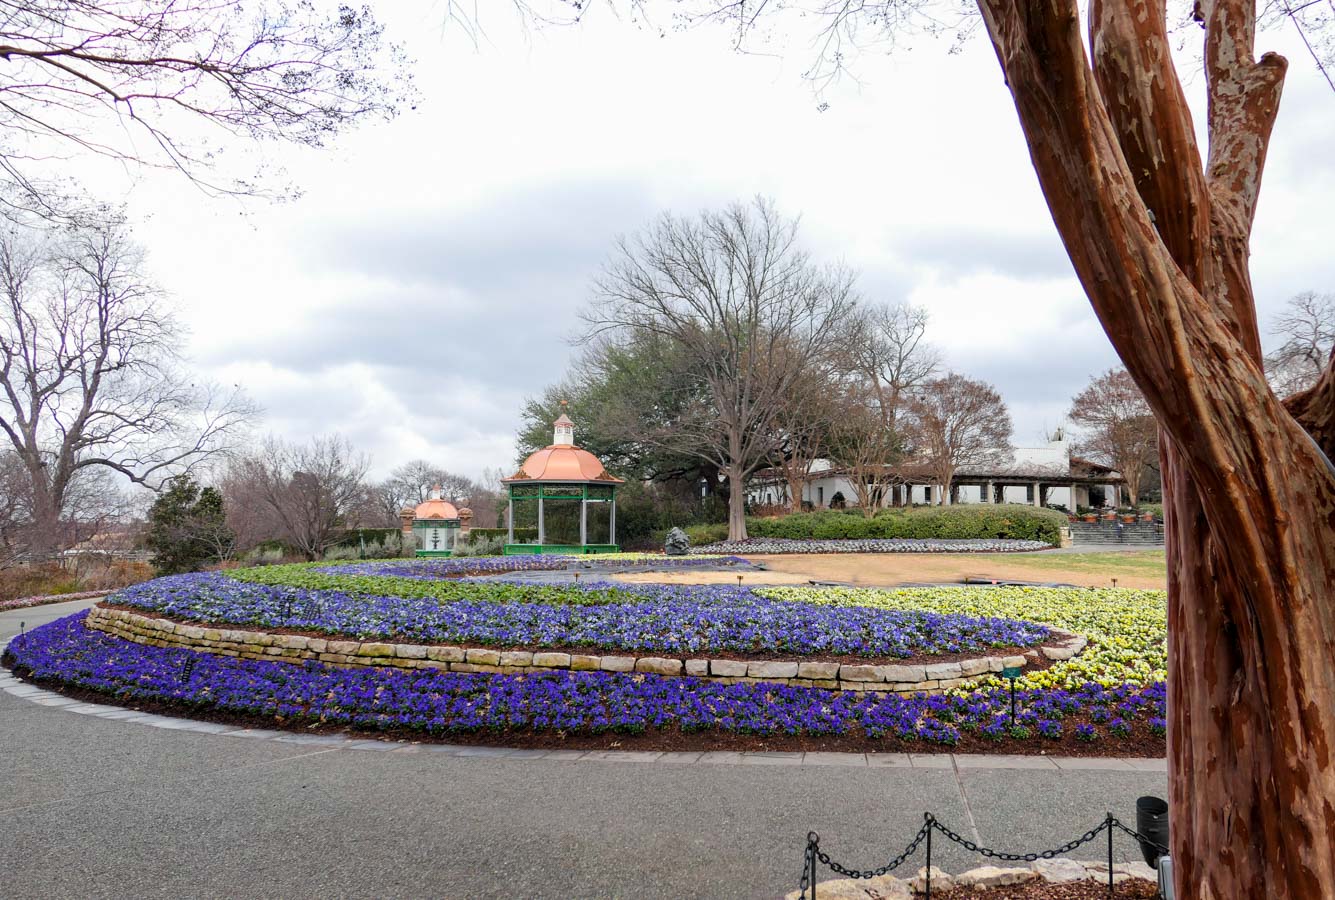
435	525
553	485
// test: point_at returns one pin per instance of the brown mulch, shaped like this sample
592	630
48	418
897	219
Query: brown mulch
1137	888
1032	665
1140	744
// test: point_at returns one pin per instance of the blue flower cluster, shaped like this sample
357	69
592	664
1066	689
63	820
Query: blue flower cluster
679	619
441	703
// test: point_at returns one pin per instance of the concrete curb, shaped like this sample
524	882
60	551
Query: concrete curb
958	761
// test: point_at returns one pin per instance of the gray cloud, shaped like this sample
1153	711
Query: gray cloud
967	250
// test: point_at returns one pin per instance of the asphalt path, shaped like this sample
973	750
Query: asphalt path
92	806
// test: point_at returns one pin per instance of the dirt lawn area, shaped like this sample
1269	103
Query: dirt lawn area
1133	568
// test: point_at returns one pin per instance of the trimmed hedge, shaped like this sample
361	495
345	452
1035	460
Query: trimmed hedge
522	535
972	521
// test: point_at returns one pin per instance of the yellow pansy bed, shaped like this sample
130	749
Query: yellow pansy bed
1127	630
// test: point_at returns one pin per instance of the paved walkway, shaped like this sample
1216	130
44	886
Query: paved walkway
100	802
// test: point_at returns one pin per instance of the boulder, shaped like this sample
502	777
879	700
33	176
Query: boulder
884	887
991	876
1059	871
940	881
677	543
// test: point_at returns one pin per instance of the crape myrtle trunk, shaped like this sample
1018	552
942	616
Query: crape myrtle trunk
1160	242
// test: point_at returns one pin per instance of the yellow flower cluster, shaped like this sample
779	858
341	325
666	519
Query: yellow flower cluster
1127	630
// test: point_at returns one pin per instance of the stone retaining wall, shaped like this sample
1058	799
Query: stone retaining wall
246	644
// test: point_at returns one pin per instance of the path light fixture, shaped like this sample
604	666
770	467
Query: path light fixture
739	580
1114	582
1010	673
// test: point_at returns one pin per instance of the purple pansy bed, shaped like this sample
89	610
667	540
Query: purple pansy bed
411	603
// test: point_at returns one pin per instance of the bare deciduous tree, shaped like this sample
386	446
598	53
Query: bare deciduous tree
299	494
161	83
410	484
888	358
1307	327
1120	430
1159	235
957	423
90	372
746	313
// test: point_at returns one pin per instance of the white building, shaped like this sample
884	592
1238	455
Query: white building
1040	476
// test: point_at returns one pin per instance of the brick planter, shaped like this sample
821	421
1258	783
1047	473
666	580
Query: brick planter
249	644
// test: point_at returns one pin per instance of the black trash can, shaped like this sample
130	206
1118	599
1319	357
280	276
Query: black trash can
1152	823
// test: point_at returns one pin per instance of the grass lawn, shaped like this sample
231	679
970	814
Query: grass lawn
1131	568
1147	563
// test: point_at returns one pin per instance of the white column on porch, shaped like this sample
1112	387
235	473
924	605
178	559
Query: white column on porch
510	521
542	529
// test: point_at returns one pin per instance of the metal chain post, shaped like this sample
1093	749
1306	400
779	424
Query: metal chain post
930	829
1108	824
814	854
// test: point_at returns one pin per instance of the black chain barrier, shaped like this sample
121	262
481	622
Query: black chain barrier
813	854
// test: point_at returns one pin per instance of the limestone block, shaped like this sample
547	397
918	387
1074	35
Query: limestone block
941	671
317	645
481	657
1058	653
994	664
658	665
517	658
818	670
1059	871
904	673
728	668
583	663
971	667
1013	661
1136	869
940	881
947	683
884	887
445	654
374	649
772	669
617	664
293	642
211	635
862	673
345	648
409	651
991	876
552	660
697	667
191	632
920	686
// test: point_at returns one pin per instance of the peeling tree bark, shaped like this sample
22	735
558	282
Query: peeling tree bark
1160	243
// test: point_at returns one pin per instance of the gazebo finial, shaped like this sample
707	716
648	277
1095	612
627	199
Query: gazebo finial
563	433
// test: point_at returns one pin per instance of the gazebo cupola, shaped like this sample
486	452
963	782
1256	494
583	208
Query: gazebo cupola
566	493
437	525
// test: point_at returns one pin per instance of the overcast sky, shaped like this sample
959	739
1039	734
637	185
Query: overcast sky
429	278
